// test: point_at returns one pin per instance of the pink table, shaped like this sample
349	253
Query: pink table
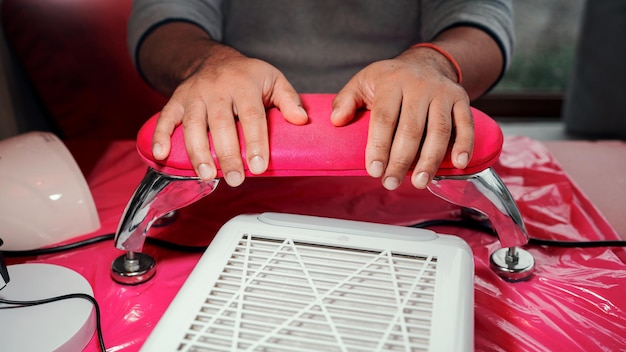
575	302
599	169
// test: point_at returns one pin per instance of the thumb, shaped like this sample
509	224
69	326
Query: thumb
287	100
345	104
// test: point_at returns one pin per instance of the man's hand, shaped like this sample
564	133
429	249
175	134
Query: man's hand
211	98
417	108
213	85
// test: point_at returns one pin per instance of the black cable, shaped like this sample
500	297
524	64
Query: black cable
466	224
575	244
175	246
66	247
20	304
57	249
488	229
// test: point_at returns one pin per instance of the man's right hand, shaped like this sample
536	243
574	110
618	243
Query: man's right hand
217	85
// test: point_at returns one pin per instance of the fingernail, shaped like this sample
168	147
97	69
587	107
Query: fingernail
256	165
462	159
157	150
421	180
376	169
303	111
205	172
391	183
233	178
333	114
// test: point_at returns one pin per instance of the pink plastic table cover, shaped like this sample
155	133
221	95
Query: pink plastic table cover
576	300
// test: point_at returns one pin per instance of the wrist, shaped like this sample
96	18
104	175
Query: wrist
453	66
172	53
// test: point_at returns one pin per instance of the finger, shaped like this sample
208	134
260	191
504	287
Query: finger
251	114
287	100
225	139
463	146
382	126
197	142
406	142
435	146
171	116
345	104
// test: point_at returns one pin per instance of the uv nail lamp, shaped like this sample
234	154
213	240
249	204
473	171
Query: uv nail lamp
283	282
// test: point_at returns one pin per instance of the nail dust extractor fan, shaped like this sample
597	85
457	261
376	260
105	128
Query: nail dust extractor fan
282	282
320	149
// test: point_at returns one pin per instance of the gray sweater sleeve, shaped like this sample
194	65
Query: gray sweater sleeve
495	17
146	15
301	37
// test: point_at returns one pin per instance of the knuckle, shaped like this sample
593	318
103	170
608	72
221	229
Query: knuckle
193	123
252	113
196	154
386	118
380	146
440	125
169	110
220	121
412	130
227	154
255	146
401	163
430	163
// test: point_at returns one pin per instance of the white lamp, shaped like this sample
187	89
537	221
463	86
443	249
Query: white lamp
44	196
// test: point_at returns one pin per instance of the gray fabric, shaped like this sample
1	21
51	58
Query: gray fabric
595	106
320	44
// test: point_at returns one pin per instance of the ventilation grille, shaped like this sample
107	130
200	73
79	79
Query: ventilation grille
281	295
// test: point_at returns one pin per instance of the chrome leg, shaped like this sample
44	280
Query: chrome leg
157	196
485	193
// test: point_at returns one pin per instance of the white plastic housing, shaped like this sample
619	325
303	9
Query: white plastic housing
277	282
61	326
44	197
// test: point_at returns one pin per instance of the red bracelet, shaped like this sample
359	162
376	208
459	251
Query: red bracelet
455	64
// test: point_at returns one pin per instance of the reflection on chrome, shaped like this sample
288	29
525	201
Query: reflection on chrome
156	196
485	193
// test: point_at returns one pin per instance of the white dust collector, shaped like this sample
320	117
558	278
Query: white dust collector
281	282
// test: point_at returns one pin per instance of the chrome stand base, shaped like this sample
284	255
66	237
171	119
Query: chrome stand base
133	268
153	204
485	196
512	264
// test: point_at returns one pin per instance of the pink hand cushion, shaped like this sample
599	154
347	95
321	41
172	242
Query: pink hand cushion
319	148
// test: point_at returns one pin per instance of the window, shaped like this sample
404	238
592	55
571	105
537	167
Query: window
542	63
